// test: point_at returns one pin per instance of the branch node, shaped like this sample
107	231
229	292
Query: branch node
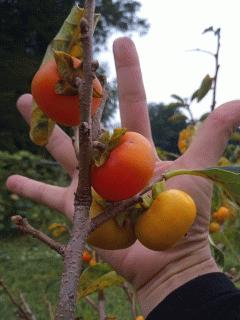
84	26
95	65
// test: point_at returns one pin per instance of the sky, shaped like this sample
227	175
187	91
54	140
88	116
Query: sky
169	66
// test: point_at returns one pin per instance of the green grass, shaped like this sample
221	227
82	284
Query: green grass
32	268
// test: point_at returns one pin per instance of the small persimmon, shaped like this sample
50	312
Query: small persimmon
109	235
127	170
214	227
63	109
221	215
86	256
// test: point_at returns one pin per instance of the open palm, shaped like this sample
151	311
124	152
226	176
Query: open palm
145	268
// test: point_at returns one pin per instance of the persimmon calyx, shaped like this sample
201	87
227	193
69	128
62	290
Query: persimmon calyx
110	141
157	188
69	68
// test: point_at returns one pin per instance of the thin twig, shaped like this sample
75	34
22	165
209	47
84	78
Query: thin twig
23	225
92	303
116	207
27	307
201	50
216	56
22	313
101	305
132	299
50	308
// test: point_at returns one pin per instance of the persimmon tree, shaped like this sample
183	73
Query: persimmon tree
94	147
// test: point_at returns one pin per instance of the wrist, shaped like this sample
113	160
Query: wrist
174	275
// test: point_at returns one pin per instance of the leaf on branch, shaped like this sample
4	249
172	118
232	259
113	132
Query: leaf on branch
41	127
194	95
110	142
216	198
205	86
177	117
227	177
176	105
178	98
68	39
218	254
209	29
97	277
115	137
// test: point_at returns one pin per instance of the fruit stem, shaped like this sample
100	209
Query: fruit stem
174	173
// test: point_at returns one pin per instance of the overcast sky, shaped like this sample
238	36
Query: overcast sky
168	65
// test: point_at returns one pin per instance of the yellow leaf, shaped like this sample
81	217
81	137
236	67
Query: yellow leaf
41	126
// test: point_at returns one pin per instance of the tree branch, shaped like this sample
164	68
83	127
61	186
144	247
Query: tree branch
23	225
101	305
83	197
216	56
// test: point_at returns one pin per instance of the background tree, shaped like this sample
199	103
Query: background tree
166	124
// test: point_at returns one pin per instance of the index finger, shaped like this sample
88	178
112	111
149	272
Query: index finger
131	93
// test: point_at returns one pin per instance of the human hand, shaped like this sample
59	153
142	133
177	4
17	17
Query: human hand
153	274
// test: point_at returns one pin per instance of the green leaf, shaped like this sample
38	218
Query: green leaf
68	37
111	142
194	95
216	198
98	277
209	29
204	116
204	87
217	253
227	177
176	105
177	117
178	98
115	137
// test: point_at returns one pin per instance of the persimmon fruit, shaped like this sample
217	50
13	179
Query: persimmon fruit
127	170
221	215
86	256
63	109
109	235
167	220
214	227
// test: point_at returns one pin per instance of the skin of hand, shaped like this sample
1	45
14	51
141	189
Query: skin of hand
153	274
